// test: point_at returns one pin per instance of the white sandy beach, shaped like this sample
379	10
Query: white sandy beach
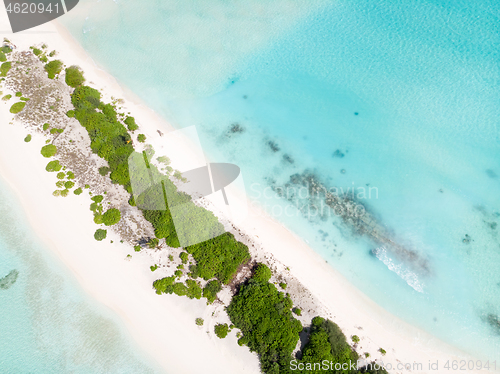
164	325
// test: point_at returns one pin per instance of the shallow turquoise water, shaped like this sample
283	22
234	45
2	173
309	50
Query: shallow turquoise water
47	324
409	92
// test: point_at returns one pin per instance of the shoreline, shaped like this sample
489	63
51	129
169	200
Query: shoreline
379	328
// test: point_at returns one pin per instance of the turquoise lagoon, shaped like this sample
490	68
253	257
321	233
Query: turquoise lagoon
48	325
399	96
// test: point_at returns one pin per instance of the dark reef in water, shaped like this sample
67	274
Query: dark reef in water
288	158
494	321
338	153
236	128
353	213
274	147
9	280
490	173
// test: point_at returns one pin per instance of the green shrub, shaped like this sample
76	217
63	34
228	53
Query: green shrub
52	54
171	258
111	217
46	126
164	285
355	339
4	68
53	166
78	191
100	234
6	48
104	170
211	289
283	285
382	351
180	289
24	99
297	311
141	138
60	184
264	316
28	138
56	193
69	185
17	107
37	51
178	273
184	257
131	125
153	243
70	175
199	321
137	248
70	113
193	289
153	268
44	59
48	150
97	198
74	76
64	193
19	94
262	273
6	97
53	68
221	330
2	57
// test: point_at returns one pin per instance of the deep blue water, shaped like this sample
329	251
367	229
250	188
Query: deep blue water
407	91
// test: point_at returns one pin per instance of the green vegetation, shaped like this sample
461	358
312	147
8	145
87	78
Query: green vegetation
36	51
69	185
64	193
19	94
24	99
17	107
199	321
6	48
382	351
355	339
221	330
111	217
74	76
56	131
184	257
60	184
180	289
327	342
297	311
61	175
78	191
53	68
178	273
131	125
46	126
153	268
4	68
70	113
52	54
141	138
211	289
263	314
104	170
193	289
28	138
283	285
137	248
2	57
48	150
164	285
70	175
53	166
153	243
6	97
218	258
100	234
